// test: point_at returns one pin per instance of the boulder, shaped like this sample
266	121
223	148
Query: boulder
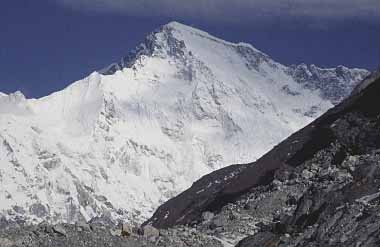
60	230
83	226
126	230
117	232
207	216
151	232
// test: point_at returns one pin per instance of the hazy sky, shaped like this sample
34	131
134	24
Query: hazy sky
236	11
47	44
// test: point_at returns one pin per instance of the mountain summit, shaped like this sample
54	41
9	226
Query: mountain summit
123	140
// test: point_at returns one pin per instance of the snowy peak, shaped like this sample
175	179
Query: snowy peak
187	34
120	142
174	25
185	43
180	41
159	41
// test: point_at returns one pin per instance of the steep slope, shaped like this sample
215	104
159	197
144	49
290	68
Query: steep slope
320	187
118	143
334	84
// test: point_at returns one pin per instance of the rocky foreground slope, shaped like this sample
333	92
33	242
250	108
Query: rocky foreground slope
122	141
320	187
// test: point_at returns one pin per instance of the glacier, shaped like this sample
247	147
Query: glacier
125	139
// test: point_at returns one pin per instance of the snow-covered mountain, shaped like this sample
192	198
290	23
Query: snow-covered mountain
121	141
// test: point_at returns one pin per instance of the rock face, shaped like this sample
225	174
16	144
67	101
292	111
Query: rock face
320	187
118	143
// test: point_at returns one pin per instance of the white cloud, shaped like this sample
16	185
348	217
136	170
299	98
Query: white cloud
234	10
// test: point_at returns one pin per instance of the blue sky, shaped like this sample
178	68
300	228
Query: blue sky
47	44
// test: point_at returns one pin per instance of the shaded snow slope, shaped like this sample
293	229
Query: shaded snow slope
120	142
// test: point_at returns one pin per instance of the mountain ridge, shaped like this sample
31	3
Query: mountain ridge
322	191
119	144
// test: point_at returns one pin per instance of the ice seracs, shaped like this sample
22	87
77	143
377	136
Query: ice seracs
121	141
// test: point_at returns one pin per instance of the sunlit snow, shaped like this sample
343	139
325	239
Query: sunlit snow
119	145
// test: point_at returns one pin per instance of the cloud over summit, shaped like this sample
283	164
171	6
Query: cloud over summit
234	10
